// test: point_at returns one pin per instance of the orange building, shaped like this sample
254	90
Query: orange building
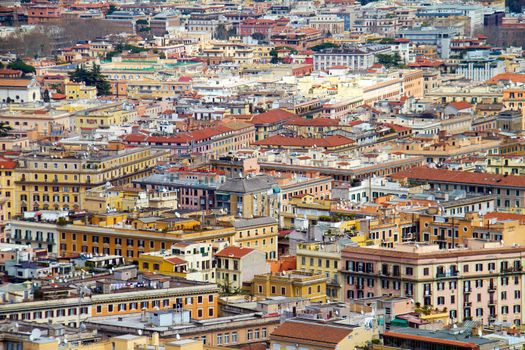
42	14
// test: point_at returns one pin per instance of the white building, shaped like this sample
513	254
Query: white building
353	57
19	90
368	190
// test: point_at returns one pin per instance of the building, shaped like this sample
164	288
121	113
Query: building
309	335
190	260
325	259
235	266
200	299
481	281
439	37
351	57
258	233
19	90
413	339
291	284
249	197
60	180
509	190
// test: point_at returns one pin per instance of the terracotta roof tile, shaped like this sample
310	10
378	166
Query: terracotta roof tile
423	173
301	332
273	116
329	141
234	252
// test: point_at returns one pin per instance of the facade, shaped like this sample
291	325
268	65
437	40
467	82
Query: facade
235	266
60	181
249	197
291	284
482	281
352	57
324	259
201	300
19	90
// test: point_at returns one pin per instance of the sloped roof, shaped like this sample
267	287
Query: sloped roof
251	184
305	332
234	252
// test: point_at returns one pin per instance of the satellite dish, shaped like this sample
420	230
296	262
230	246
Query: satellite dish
177	336
139	332
35	334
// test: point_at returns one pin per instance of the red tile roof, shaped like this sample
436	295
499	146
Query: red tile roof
461	344
306	332
313	122
459	105
195	135
234	252
513	77
329	141
454	176
273	116
505	216
175	260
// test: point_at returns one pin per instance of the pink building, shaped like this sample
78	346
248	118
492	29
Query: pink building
483	281
266	27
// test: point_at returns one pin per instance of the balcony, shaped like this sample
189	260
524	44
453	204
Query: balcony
467	290
467	303
492	302
446	274
492	288
427	293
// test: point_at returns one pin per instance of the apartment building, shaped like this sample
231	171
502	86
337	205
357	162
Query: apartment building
482	281
352	57
509	190
59	180
324	259
190	260
249	197
451	232
200	299
291	284
236	265
258	233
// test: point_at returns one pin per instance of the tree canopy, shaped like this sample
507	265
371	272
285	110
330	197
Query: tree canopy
389	61
20	65
324	46
92	77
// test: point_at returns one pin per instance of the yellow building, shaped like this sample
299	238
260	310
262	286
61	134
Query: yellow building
291	284
162	263
106	198
79	91
103	118
258	233
505	165
322	259
60	179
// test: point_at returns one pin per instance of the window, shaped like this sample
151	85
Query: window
250	334
219	339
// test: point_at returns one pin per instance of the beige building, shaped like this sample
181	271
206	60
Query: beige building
238	265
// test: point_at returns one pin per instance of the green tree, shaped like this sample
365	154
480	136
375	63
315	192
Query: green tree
324	46
4	129
45	96
112	8
18	64
258	37
92	77
389	61
221	33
